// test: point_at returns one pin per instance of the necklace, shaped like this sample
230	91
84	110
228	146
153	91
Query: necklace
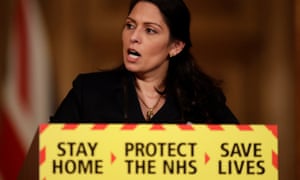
150	110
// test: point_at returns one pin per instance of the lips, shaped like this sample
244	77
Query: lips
133	55
133	52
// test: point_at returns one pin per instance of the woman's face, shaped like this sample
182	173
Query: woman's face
146	40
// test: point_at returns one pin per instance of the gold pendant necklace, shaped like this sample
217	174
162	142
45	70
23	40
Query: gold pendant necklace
150	111
149	114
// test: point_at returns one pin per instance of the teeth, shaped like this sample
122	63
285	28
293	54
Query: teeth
133	56
133	53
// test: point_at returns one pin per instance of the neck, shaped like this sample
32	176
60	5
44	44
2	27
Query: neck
149	97
150	84
153	79
149	88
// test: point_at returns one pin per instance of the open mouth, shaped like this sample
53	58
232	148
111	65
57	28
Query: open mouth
133	53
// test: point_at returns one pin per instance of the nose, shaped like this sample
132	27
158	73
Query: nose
135	36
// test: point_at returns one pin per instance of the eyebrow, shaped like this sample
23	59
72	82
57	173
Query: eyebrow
147	23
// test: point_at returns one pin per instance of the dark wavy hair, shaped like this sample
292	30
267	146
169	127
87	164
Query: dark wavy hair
198	95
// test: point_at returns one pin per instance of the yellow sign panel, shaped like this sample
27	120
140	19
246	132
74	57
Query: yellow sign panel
148	151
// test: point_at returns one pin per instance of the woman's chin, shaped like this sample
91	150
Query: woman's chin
132	67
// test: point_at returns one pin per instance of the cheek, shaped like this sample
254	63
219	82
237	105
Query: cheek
158	49
124	37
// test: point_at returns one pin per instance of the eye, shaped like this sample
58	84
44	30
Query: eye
129	25
151	31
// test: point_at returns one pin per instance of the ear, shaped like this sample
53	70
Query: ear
176	47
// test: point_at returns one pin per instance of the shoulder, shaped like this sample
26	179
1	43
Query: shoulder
101	79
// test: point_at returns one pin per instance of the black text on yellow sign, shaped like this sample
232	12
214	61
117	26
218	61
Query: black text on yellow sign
77	158
227	152
241	158
174	158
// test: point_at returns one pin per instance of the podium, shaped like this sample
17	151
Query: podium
148	151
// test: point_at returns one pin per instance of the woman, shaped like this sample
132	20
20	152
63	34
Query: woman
158	82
